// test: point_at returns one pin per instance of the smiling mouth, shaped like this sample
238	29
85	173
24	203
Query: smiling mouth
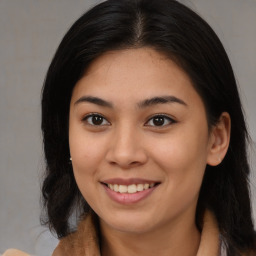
130	189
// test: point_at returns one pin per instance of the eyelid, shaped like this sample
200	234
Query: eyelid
87	116
168	117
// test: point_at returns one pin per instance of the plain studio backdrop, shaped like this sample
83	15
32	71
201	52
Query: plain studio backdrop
30	31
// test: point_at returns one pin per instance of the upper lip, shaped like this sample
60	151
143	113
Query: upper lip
127	182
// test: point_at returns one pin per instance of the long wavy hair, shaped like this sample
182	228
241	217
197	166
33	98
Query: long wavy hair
178	32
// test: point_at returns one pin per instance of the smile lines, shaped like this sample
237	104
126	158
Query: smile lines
133	188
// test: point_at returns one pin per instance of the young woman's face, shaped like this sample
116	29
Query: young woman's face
139	140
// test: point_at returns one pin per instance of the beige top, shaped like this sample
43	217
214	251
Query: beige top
84	241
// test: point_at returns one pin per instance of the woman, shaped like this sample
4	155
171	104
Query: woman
144	137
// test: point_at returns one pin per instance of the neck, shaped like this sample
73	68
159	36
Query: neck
180	239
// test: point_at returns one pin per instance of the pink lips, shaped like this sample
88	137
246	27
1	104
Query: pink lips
127	198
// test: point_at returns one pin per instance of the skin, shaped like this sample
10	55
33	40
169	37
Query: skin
128	144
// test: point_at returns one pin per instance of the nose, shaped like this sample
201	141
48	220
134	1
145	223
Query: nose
126	148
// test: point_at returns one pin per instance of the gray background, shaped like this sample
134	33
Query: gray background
30	31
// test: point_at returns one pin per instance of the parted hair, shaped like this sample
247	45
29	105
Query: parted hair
183	36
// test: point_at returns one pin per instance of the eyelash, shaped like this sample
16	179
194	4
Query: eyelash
163	117
95	115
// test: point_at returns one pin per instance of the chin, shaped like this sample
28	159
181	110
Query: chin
129	224
133	228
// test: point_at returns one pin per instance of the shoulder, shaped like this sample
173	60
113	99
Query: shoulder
14	252
84	241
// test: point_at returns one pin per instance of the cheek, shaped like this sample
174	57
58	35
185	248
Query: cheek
86	148
183	156
87	153
184	162
85	160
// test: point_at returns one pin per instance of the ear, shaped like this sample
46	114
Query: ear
219	140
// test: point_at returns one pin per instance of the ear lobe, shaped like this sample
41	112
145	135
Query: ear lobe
219	140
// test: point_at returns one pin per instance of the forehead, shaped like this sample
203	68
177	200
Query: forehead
134	74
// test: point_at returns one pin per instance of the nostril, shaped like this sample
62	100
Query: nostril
126	157
134	163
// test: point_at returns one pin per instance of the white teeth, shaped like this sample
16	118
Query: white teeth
133	188
123	188
146	186
116	188
140	187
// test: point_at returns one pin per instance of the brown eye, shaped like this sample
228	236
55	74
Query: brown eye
160	120
96	120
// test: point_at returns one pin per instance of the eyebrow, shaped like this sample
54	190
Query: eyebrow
143	104
94	100
160	100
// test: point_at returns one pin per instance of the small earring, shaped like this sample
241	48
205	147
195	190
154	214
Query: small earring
70	158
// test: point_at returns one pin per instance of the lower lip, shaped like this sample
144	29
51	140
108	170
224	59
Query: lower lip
127	198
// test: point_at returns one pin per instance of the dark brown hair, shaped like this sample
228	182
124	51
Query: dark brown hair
178	32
